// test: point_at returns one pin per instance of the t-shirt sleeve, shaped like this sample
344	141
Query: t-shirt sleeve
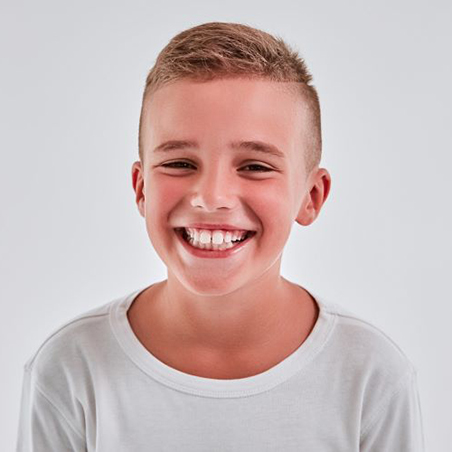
396	425
42	425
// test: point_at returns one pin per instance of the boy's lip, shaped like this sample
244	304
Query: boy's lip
219	226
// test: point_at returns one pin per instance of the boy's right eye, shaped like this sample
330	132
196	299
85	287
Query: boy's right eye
168	165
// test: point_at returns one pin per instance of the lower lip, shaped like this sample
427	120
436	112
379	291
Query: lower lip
213	253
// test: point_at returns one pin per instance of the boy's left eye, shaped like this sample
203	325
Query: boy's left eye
262	168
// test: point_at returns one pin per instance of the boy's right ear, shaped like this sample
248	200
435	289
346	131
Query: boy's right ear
138	186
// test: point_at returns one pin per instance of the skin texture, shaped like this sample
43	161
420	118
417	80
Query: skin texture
233	317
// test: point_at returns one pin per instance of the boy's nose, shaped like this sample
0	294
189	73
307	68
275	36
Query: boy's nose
214	190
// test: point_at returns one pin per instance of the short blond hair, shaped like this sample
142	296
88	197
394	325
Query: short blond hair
226	50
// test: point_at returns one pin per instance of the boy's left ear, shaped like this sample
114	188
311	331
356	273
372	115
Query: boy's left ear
320	184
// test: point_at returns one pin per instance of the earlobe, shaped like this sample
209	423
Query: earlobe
138	186
314	201
305	215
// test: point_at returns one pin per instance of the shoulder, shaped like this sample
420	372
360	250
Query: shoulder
368	364
71	345
365	346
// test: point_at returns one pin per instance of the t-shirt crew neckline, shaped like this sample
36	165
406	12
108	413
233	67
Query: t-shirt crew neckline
218	388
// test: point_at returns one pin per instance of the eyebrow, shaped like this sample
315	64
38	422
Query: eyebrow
257	146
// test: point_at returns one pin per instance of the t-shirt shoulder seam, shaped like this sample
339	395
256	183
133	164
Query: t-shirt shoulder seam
402	382
28	365
380	331
55	407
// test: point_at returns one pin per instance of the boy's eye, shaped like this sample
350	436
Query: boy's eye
255	165
262	168
169	165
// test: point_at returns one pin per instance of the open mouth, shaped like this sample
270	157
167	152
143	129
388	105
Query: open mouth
214	247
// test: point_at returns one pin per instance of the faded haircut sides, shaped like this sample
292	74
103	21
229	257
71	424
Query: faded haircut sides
217	50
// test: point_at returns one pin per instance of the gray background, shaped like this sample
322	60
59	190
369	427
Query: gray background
72	238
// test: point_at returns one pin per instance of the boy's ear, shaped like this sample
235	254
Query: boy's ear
319	185
138	186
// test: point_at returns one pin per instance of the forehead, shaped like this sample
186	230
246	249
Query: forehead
231	108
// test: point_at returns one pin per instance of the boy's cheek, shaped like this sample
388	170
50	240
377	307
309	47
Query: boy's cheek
163	194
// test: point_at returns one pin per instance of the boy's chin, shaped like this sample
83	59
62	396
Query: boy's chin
210	286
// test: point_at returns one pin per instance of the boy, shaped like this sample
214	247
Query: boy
226	354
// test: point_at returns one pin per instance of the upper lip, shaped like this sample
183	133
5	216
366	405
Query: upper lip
223	226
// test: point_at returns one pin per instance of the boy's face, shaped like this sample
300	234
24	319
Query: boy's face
216	183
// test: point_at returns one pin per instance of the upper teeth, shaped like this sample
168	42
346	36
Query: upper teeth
215	236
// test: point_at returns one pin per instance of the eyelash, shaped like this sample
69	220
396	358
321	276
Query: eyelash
265	169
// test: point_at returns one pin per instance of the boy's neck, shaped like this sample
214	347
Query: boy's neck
256	332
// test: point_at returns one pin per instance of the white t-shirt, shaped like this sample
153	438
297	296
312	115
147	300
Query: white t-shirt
92	386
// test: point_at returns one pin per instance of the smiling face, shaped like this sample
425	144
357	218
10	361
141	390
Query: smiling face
213	177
